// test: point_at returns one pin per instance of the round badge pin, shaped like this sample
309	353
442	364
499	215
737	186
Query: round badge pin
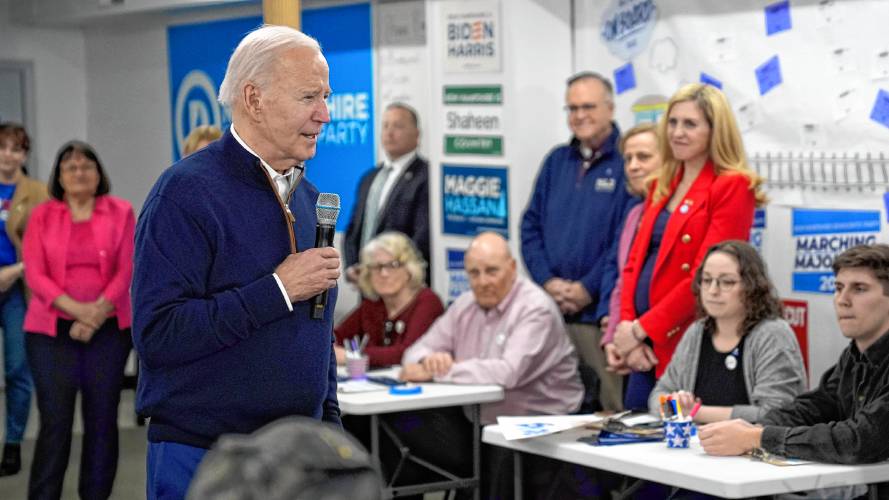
731	362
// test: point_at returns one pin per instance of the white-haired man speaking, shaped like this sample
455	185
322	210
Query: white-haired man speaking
225	268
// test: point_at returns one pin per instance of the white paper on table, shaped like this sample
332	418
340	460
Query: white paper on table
641	419
355	386
525	427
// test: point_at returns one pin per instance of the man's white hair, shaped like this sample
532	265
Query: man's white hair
253	58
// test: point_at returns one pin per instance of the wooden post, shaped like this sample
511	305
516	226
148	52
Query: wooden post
281	12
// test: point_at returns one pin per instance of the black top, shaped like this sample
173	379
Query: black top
844	420
643	286
720	380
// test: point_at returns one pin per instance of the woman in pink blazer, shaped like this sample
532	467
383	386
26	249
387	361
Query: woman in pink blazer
78	255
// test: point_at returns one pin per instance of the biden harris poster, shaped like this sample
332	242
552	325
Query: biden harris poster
198	56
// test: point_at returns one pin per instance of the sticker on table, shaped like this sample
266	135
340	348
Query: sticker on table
880	112
710	80
625	78
768	75
778	17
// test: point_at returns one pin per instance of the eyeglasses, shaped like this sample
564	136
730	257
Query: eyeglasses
586	108
721	283
392	265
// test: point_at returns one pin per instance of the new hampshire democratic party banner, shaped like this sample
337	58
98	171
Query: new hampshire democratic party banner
820	236
199	53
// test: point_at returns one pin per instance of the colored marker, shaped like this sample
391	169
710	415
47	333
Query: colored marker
697	407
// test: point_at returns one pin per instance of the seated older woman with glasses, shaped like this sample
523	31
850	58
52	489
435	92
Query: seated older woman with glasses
397	307
740	359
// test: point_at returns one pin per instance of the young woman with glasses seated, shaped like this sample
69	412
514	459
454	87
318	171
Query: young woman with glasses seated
740	359
397	307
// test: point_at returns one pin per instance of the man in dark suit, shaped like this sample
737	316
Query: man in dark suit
394	196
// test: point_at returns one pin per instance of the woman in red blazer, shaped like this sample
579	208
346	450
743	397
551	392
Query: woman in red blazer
705	193
78	254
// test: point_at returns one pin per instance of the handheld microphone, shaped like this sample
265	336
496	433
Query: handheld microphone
327	209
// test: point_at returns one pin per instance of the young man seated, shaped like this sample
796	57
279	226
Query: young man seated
845	419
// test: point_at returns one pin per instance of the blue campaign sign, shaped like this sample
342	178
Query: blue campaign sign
474	199
199	53
346	145
820	235
458	282
756	232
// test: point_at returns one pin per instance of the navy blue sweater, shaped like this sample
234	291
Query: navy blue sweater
220	352
572	217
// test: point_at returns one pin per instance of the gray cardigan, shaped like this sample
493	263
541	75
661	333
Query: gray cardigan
773	368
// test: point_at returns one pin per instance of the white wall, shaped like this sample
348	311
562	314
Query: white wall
60	84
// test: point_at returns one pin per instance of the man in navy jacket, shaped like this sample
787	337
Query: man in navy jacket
572	218
224	268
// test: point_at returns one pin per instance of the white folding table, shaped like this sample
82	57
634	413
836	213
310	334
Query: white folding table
433	395
731	477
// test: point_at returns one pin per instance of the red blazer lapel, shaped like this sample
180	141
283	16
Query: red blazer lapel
695	199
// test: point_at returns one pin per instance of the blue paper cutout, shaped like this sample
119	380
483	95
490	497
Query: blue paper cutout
768	75
880	111
778	17
710	80
625	78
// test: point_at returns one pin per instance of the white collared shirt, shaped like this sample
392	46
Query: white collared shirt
399	165
282	184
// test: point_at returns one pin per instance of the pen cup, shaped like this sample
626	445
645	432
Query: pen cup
677	433
357	367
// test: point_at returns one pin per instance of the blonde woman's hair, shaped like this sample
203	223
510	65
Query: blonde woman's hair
726	147
639	129
204	133
642	128
402	249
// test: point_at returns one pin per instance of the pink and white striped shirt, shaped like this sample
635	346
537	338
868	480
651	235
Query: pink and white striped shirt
520	344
